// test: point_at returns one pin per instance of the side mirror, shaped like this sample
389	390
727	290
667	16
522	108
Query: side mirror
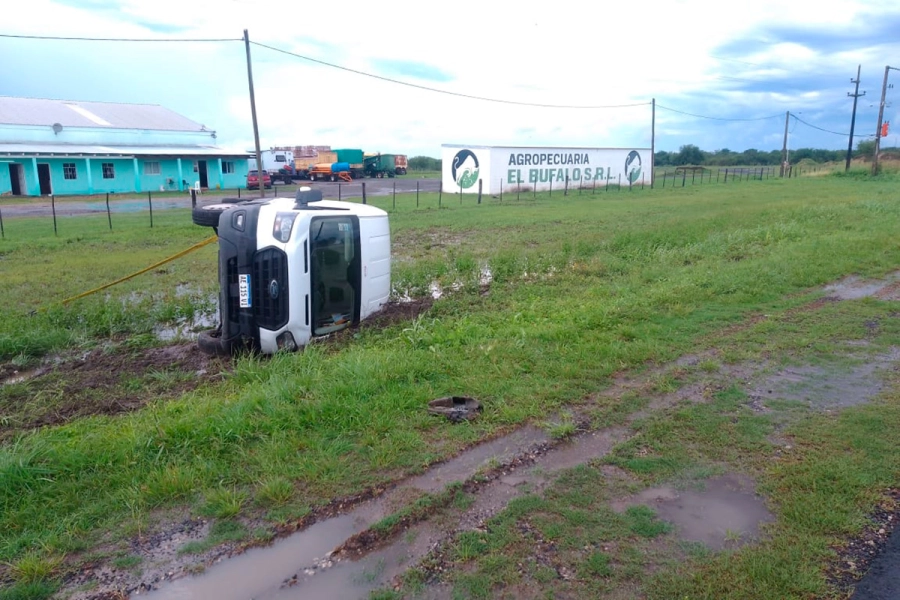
306	195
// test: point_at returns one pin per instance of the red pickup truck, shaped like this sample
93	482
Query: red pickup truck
253	180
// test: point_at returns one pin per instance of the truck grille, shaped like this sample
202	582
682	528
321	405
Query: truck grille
270	277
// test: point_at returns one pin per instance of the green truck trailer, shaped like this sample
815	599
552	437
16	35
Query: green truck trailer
380	165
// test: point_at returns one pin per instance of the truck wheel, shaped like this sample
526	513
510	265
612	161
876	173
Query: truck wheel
380	175
210	343
333	177
208	215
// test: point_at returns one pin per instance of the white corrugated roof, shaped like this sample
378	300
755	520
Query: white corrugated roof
70	113
49	150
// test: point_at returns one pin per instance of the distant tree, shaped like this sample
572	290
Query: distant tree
424	163
865	149
662	159
689	154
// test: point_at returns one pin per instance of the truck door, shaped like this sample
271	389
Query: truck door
334	273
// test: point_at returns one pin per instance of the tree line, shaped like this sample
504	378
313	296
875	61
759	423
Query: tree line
689	154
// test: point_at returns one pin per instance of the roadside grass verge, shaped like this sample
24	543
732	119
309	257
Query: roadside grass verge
579	289
837	465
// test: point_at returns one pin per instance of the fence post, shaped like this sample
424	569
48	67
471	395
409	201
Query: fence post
440	193
239	193
2	233
726	175
693	176
150	202
395	192
479	191
683	178
607	182
108	213
620	182
501	190
193	198
594	188
364	192
518	192
339	192
551	186
740	175
53	206
417	193
566	188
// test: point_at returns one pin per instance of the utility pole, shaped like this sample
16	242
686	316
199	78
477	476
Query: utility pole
784	150
880	117
855	95
652	140
259	165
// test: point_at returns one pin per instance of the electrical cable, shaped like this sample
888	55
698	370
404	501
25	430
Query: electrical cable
91	39
658	105
439	91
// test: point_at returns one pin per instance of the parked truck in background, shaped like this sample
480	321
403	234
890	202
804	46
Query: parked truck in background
304	165
279	164
380	165
353	157
330	172
400	164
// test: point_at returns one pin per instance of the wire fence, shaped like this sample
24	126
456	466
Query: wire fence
131	210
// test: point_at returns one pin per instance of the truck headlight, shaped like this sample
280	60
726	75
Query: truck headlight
285	341
284	222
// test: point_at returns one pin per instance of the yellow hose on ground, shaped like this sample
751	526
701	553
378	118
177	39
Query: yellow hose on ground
142	271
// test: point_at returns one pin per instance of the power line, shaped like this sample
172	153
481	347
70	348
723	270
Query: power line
440	91
681	112
93	39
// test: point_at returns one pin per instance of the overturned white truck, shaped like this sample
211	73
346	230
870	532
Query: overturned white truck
294	268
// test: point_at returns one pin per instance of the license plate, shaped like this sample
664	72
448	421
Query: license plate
244	291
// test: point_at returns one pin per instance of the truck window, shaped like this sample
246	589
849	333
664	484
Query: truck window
280	158
334	277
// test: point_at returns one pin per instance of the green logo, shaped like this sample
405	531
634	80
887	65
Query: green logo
465	169
633	166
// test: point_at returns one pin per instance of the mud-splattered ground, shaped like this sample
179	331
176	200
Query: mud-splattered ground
105	381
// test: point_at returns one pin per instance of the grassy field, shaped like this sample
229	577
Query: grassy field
581	289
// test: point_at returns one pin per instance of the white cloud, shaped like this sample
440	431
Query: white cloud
565	52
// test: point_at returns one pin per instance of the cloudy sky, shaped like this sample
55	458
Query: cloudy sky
743	65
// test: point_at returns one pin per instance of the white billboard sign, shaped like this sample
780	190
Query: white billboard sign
514	168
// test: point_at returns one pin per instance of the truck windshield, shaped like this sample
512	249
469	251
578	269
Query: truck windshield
334	251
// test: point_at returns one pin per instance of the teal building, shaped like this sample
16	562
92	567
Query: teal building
67	147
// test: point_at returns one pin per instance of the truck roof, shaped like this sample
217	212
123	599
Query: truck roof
330	207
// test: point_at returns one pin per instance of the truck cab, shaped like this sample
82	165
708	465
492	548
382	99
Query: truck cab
291	269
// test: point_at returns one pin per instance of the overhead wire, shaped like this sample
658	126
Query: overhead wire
715	118
94	39
447	92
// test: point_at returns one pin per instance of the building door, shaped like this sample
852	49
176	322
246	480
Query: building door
16	178
44	179
201	171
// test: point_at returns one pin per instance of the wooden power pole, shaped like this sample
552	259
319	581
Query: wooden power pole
855	95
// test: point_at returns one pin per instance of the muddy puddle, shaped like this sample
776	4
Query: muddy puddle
856	288
722	512
304	565
185	329
828	386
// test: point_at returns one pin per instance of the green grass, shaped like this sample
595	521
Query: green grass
582	288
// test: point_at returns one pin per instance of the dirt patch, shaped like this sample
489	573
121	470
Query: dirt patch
855	288
725	512
105	381
826	387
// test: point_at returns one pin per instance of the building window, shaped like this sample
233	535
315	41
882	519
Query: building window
227	166
109	171
69	171
151	167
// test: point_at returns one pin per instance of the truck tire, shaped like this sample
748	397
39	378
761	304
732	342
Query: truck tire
207	215
210	343
333	177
